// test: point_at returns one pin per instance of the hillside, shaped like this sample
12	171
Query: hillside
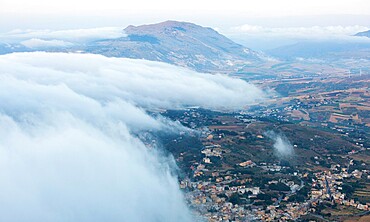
179	43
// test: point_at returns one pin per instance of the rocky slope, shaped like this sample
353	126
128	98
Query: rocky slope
179	43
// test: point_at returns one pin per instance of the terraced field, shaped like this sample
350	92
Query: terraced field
363	193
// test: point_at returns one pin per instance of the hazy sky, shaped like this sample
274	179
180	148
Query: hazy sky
92	13
254	8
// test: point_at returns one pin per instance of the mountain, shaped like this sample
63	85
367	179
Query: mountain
9	48
366	34
180	43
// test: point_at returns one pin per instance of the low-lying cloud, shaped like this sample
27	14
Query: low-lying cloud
67	148
40	43
300	32
282	145
70	35
265	38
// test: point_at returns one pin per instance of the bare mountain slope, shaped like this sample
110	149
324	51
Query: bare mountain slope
178	43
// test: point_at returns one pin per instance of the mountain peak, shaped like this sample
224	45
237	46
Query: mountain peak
169	25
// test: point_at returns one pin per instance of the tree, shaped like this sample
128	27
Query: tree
279	186
235	199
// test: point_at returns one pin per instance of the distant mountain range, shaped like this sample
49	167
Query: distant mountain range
9	48
180	43
323	50
346	48
366	33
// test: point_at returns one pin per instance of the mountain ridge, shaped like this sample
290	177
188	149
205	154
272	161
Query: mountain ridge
179	43
322	49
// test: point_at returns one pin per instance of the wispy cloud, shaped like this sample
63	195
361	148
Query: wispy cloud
265	38
71	35
282	146
299	32
40	43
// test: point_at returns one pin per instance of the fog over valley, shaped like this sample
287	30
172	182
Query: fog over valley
69	118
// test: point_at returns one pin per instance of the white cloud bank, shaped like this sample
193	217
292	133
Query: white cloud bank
66	148
70	35
40	43
265	38
300	32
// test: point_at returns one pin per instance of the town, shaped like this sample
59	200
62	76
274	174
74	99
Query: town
232	172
